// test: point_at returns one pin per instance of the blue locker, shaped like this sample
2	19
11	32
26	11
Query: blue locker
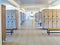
10	19
13	23
8	14
13	15
8	24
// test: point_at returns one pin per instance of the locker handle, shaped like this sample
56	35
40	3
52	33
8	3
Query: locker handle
56	21
52	21
52	16
12	21
8	16
56	16
12	16
8	21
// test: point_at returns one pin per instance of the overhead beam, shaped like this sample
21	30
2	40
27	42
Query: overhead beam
34	6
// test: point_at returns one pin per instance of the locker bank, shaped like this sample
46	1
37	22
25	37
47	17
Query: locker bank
29	22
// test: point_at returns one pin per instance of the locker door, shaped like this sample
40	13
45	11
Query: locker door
58	24
46	13
8	14
50	18
8	18
39	15
50	23
13	23
58	13
46	24
46	18
54	18
58	18
21	16
13	14
42	20
54	23
7	24
50	13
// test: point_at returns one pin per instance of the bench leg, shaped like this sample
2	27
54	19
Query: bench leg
11	32
48	32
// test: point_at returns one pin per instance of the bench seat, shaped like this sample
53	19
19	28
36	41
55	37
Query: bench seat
53	29
11	30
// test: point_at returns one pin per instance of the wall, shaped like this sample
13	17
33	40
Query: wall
0	28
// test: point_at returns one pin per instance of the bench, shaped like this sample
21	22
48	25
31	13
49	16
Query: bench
11	30
53	29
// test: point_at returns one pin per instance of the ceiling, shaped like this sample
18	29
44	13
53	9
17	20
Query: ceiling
35	2
5	2
23	3
55	2
32	4
20	3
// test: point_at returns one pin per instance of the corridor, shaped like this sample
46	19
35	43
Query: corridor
30	23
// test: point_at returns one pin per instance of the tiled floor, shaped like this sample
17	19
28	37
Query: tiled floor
32	37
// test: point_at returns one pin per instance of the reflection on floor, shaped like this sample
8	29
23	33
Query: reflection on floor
32	37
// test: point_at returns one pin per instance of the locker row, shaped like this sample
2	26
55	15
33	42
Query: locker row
51	18
10	18
52	25
22	18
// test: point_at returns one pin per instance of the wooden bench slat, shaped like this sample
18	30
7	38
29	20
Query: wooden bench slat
53	28
10	28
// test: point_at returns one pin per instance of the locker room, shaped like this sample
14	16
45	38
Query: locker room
29	22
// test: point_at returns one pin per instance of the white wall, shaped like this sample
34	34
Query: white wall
0	28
